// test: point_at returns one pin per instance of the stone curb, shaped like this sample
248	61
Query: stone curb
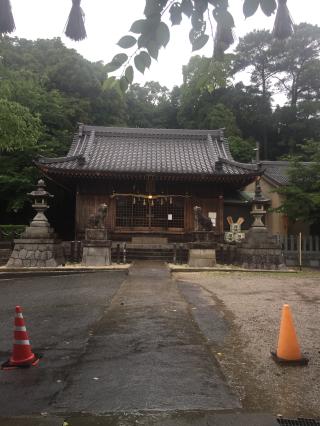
204	269
36	272
31	421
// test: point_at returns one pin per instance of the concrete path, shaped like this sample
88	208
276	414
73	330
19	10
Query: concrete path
146	353
113	344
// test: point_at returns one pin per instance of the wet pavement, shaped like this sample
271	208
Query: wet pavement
115	345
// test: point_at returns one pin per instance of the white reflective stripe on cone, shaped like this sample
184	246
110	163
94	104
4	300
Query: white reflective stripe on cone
22	342
22	328
19	315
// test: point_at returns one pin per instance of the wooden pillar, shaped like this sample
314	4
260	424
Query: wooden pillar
112	214
188	215
220	215
77	218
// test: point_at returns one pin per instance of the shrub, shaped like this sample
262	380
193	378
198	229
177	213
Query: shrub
9	232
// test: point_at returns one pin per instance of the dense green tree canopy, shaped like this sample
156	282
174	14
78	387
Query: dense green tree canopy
302	195
19	129
55	88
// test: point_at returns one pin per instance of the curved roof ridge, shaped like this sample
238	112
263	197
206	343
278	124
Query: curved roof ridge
48	160
246	166
152	131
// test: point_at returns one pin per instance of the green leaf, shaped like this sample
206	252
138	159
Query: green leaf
124	84
143	40
110	67
175	13
127	41
116	62
268	6
199	42
162	34
197	22
139	63
152	7
139	26
202	5
187	7
153	49
129	74
109	83
146	58
250	7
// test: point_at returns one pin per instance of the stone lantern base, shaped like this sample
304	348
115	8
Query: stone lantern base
36	252
259	250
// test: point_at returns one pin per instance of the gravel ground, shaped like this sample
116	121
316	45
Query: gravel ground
252	303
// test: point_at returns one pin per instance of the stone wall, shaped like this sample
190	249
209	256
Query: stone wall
36	253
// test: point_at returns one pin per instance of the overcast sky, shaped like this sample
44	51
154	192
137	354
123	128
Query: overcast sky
108	20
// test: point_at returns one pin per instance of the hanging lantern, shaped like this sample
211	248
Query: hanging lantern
152	202
134	200
144	201
170	200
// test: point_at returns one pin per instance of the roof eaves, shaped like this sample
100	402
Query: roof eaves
47	160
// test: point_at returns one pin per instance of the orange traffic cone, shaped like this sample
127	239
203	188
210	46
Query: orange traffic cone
22	356
288	351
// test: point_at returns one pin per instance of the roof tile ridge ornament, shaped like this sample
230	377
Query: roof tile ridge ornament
220	143
81	157
246	166
219	165
225	145
212	152
88	149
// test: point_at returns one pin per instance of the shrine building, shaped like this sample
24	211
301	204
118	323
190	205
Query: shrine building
151	179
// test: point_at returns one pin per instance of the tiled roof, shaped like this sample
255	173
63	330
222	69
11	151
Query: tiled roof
114	150
276	171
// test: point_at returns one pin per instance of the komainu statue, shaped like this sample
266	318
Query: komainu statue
201	222
97	221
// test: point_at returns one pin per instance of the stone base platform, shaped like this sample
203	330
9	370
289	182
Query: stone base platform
96	253
259	250
36	253
202	257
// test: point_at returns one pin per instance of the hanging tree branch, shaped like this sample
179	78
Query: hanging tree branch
283	26
152	33
7	24
75	28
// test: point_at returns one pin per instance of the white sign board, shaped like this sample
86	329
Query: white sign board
169	216
213	217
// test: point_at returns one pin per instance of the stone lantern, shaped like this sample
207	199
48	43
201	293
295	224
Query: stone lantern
37	246
258	206
39	227
259	250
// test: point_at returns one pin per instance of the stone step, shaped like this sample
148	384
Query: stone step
149	254
149	240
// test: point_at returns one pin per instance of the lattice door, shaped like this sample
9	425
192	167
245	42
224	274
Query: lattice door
155	213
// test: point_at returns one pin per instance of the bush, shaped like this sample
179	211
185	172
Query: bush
9	232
